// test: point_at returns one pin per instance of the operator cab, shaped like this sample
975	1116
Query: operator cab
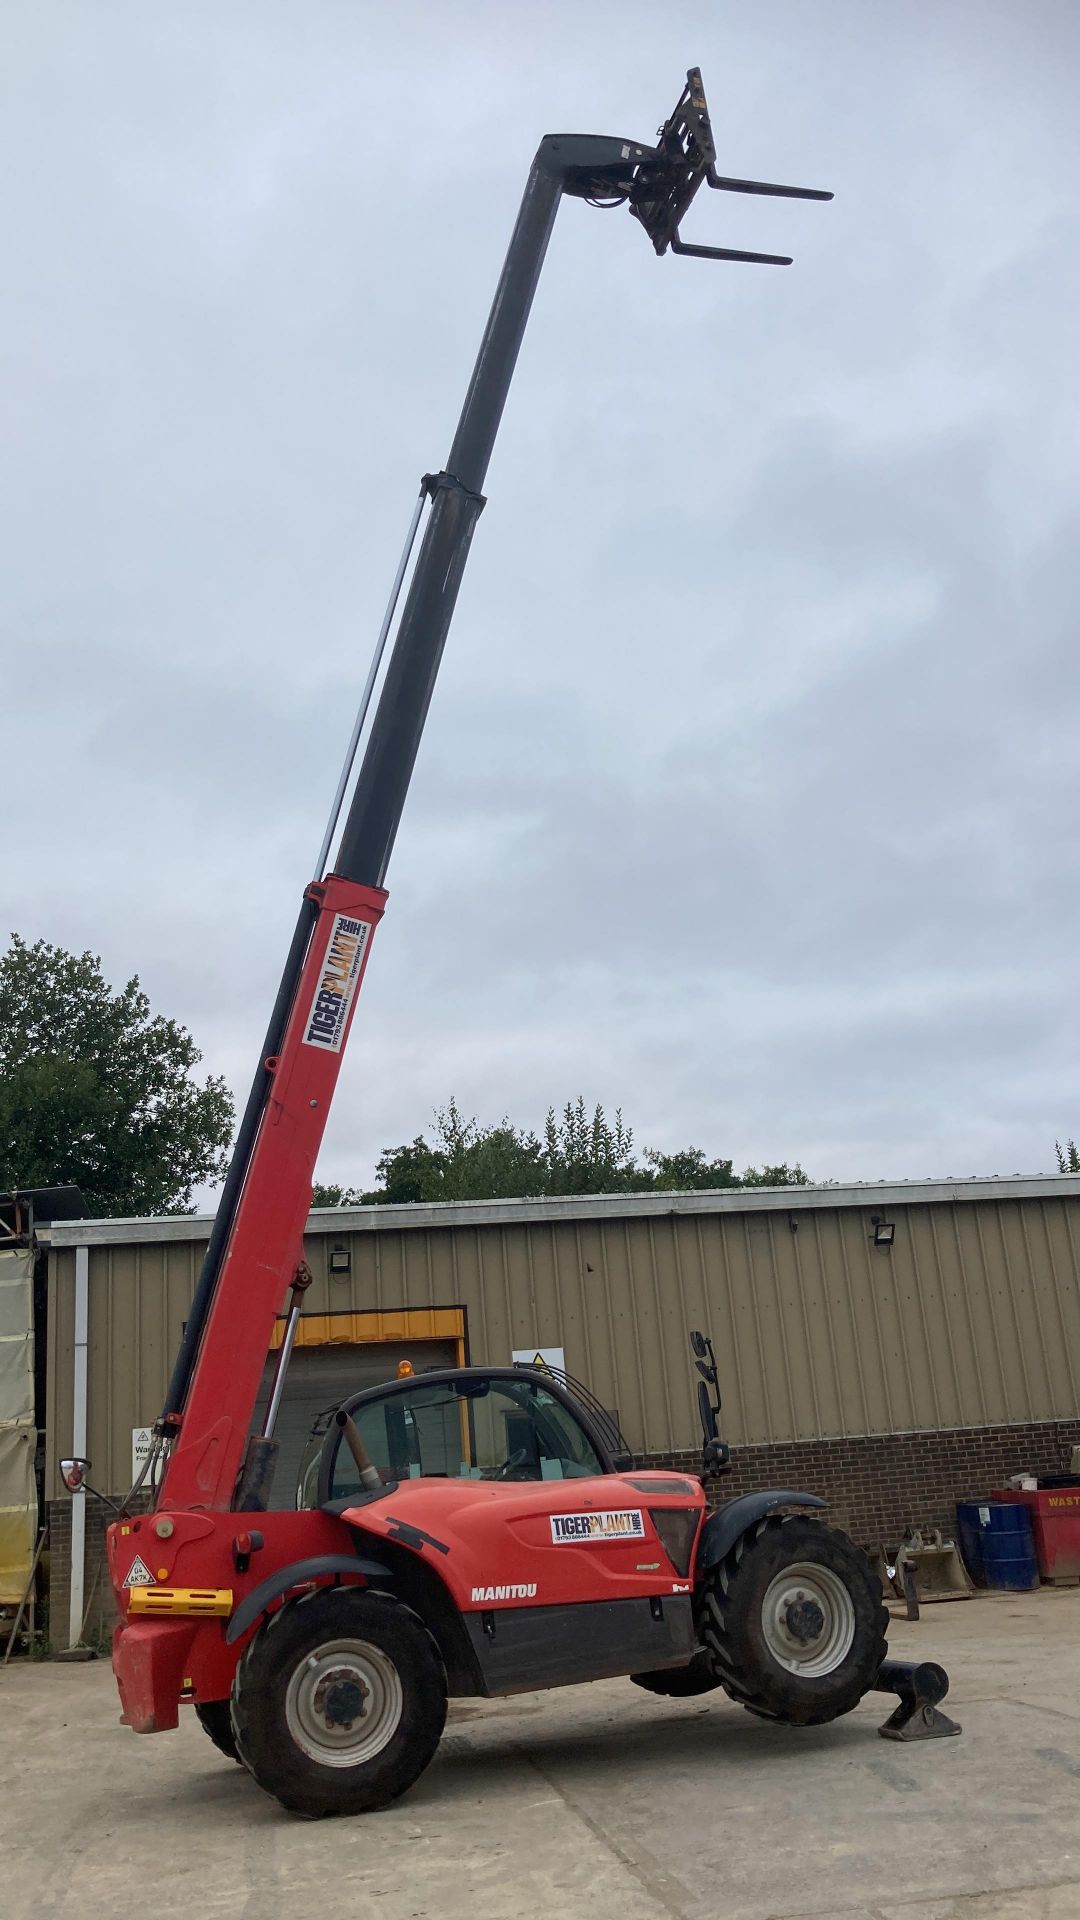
465	1423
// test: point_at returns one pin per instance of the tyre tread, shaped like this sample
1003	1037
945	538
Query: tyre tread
719	1588
298	1783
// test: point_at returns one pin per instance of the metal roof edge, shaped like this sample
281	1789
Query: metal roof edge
589	1206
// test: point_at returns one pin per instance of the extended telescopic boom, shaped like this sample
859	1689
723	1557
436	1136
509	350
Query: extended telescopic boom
256	1247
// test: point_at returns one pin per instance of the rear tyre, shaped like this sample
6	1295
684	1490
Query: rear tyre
215	1718
339	1702
681	1683
793	1622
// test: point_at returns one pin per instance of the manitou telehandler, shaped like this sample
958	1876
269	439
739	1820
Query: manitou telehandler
481	1531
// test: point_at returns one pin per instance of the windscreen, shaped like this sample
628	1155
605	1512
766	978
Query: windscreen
468	1429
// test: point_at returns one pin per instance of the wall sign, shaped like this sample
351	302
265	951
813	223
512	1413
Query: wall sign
141	1438
548	1359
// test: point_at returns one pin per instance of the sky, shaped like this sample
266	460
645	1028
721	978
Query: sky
749	794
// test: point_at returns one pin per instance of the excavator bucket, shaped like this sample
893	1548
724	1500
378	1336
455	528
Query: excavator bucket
925	1567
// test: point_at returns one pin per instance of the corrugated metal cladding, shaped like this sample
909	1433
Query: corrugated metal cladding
972	1318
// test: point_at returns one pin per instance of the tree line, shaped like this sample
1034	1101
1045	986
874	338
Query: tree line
579	1151
98	1092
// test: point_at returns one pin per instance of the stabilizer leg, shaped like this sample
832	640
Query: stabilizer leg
920	1686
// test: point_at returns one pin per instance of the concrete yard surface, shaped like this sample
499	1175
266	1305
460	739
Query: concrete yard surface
590	1803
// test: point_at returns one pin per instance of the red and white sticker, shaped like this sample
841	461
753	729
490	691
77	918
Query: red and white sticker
592	1529
329	1014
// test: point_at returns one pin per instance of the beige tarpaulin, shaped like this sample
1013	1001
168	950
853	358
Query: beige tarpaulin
18	1435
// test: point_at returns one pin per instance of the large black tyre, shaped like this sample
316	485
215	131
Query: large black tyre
681	1683
339	1702
793	1622
215	1718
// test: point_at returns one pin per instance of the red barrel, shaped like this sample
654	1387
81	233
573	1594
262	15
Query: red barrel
1055	1524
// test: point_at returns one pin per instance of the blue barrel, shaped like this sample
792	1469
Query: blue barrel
997	1544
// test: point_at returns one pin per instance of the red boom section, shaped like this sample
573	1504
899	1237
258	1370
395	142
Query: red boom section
266	1244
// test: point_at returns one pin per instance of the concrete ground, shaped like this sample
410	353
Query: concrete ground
597	1802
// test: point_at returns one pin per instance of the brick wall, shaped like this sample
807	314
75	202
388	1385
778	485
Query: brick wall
876	1485
98	1604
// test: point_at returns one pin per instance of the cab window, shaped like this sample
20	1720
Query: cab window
468	1429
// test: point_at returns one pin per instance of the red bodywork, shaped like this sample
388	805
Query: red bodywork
491	1543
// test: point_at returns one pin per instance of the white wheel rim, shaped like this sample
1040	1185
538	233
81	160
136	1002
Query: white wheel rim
808	1620
343	1703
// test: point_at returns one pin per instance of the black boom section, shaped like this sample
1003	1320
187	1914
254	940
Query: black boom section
519	1649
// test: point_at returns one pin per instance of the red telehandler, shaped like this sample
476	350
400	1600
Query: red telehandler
480	1531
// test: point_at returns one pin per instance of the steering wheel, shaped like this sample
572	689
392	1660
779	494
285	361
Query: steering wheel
512	1460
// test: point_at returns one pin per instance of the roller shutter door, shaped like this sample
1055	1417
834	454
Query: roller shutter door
322	1377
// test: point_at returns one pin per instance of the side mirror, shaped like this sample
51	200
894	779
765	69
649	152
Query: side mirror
73	1473
697	1345
707	1371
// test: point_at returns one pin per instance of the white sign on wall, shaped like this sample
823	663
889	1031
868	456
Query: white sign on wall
546	1358
141	1438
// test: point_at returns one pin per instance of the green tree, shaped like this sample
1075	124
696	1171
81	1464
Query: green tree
97	1092
779	1176
333	1196
585	1153
689	1171
467	1161
1068	1158
580	1152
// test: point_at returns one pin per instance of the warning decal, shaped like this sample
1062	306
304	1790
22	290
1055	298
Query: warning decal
540	1359
329	1014
139	1574
587	1528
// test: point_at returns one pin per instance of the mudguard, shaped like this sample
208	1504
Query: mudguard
297	1575
735	1517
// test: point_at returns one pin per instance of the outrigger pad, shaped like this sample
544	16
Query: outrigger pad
919	1685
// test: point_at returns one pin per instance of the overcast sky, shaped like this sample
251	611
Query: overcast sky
749	798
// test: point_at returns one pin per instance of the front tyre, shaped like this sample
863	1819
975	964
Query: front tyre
339	1702
793	1622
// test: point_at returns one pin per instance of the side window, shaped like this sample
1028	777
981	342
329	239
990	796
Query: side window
468	1429
565	1445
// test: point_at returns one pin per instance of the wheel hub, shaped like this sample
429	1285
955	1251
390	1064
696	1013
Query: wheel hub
808	1619
344	1702
804	1619
340	1697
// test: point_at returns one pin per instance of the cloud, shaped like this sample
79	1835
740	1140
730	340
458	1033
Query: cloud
747	794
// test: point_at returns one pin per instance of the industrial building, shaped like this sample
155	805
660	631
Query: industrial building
894	1348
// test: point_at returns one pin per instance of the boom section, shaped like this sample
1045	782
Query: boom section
266	1245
